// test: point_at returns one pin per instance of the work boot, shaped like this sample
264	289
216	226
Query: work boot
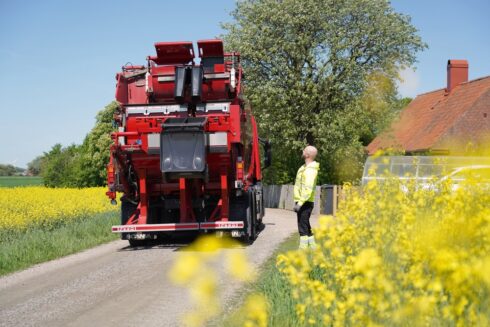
303	242
311	242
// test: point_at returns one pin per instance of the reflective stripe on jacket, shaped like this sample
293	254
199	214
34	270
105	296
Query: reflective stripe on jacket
304	186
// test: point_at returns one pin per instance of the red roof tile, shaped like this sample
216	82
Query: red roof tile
432	117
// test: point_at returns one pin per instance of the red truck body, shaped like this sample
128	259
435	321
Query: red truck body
186	154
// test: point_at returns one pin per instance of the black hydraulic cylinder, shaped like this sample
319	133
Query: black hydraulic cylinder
196	83
180	81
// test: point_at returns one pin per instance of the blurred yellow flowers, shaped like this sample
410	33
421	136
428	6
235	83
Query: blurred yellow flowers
199	269
396	254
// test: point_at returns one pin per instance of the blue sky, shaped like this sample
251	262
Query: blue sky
58	58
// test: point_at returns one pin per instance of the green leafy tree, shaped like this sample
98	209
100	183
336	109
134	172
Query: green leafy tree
307	65
96	147
10	170
370	114
61	166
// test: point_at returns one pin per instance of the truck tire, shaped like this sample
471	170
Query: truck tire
260	224
262	208
251	230
127	210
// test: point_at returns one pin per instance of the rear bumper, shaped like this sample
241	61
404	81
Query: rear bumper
218	225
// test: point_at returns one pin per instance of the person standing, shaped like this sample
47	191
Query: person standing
304	196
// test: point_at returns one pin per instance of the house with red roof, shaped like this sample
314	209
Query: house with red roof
451	120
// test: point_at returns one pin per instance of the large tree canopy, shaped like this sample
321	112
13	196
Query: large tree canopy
307	64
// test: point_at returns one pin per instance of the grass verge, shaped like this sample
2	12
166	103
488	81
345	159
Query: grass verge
275	288
20	250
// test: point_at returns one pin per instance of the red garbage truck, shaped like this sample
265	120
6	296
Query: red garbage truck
186	155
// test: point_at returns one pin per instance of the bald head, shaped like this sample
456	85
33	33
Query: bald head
310	152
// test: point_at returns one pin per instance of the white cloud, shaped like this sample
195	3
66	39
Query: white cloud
409	84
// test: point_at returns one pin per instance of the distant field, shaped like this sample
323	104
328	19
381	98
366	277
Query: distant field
13	181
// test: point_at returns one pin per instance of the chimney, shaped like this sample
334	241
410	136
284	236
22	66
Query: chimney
457	73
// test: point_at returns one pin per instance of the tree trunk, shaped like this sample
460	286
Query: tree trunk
310	139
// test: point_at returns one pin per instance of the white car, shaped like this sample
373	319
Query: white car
481	173
426	172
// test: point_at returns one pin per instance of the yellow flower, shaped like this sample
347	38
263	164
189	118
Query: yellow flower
185	268
239	267
366	260
397	255
300	311
255	311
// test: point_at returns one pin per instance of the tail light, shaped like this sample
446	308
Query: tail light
239	168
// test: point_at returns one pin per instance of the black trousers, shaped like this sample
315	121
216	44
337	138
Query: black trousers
304	214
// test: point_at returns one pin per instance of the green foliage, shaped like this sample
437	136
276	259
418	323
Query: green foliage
285	163
34	167
61	166
96	146
379	105
308	65
10	170
81	165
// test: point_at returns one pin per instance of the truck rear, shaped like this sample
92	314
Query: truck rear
186	154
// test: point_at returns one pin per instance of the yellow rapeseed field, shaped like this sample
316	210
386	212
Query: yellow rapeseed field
398	255
23	207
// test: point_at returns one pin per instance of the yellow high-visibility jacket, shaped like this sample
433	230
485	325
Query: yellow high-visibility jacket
305	184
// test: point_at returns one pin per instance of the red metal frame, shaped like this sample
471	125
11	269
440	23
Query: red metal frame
153	85
143	197
171	53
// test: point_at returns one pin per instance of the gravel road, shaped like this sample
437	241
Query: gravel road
114	285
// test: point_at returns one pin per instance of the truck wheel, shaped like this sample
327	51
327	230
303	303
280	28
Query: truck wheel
251	232
262	209
261	225
127	210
